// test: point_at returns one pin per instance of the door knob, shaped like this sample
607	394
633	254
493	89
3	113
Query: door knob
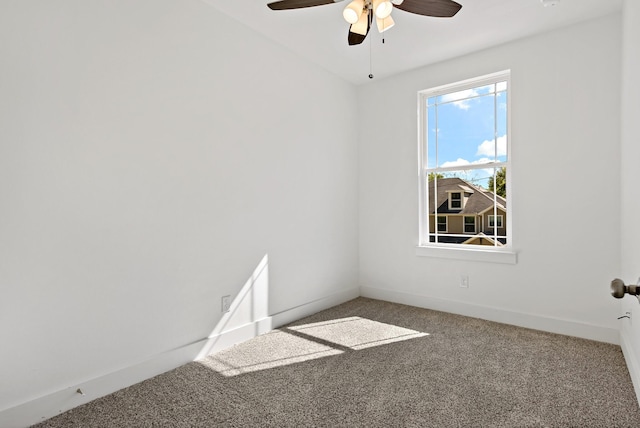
618	289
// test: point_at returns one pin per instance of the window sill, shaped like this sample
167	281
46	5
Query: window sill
474	255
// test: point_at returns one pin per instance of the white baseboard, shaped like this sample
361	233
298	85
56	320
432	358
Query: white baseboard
293	314
536	322
632	361
50	405
228	338
47	406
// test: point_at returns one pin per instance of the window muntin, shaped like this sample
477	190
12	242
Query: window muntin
464	136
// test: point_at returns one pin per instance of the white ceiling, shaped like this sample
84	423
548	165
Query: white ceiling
320	33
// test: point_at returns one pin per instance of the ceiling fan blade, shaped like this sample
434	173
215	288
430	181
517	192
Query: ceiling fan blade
356	38
437	8
298	4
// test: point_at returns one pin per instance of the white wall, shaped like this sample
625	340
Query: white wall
565	159
151	154
630	180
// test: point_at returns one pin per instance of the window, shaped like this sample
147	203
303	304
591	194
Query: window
455	200
442	223
498	222
469	224
464	164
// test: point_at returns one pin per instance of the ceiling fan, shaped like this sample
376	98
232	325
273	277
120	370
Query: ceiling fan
361	13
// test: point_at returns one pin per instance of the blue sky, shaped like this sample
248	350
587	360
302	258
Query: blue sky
465	130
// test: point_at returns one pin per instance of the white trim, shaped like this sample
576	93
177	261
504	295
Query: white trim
50	405
471	166
532	321
54	403
469	84
632	361
424	235
294	314
475	254
226	339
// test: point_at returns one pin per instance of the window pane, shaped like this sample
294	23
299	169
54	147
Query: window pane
469	192
465	132
496	226
498	181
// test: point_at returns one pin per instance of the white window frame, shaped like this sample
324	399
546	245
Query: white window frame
498	254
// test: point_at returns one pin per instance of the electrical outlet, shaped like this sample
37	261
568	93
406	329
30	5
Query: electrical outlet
464	281
226	303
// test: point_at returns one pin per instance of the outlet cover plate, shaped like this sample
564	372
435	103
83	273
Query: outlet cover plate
464	281
226	303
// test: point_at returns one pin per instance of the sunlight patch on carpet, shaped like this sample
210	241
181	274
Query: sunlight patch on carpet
296	344
358	333
267	351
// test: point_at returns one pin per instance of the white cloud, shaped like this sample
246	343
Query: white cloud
464	162
460	98
487	147
457	162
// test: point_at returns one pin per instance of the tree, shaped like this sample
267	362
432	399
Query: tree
501	182
433	175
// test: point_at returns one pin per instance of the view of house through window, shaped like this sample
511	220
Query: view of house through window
464	163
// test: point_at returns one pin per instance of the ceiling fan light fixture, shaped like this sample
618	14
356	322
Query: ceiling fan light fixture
362	25
360	13
384	23
382	8
353	11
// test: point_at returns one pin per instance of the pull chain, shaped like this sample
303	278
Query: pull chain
370	48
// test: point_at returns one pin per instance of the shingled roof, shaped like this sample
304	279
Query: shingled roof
479	199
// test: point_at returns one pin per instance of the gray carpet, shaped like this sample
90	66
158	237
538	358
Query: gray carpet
368	363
